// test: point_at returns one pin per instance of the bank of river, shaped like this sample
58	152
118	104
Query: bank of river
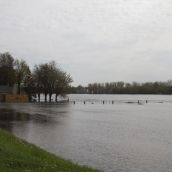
17	155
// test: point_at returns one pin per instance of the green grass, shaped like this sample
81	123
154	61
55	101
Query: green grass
17	155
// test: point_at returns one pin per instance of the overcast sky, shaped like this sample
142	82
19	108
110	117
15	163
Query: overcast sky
93	40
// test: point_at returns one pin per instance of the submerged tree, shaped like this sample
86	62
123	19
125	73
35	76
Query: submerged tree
62	83
47	78
50	80
22	72
36	79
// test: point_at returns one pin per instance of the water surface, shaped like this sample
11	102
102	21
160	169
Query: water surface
111	137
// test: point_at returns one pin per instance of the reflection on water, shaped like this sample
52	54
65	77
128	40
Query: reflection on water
8	115
119	137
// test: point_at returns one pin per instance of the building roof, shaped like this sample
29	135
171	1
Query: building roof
6	89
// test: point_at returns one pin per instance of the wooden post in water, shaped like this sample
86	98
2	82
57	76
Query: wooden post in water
84	102
73	102
112	102
103	102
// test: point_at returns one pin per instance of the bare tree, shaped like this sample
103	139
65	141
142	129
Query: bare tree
50	79
22	71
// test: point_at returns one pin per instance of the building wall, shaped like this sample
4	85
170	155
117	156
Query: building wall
16	98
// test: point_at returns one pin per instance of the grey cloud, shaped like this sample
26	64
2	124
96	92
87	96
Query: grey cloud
94	40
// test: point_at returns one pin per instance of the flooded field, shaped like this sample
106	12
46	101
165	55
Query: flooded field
125	137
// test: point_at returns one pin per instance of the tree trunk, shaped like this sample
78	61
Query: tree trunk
38	97
45	97
18	88
50	95
56	97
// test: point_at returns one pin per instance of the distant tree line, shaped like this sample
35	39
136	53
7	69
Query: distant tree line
125	88
46	78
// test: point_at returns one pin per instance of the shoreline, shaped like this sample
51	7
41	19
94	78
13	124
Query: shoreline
18	155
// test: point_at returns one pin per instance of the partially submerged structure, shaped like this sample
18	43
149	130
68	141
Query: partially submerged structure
9	95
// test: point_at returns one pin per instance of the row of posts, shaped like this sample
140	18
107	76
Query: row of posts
112	102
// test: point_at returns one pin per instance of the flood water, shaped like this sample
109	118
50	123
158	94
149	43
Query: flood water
119	137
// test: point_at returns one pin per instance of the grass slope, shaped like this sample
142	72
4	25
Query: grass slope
17	155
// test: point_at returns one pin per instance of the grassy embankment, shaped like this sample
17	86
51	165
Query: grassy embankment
17	155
